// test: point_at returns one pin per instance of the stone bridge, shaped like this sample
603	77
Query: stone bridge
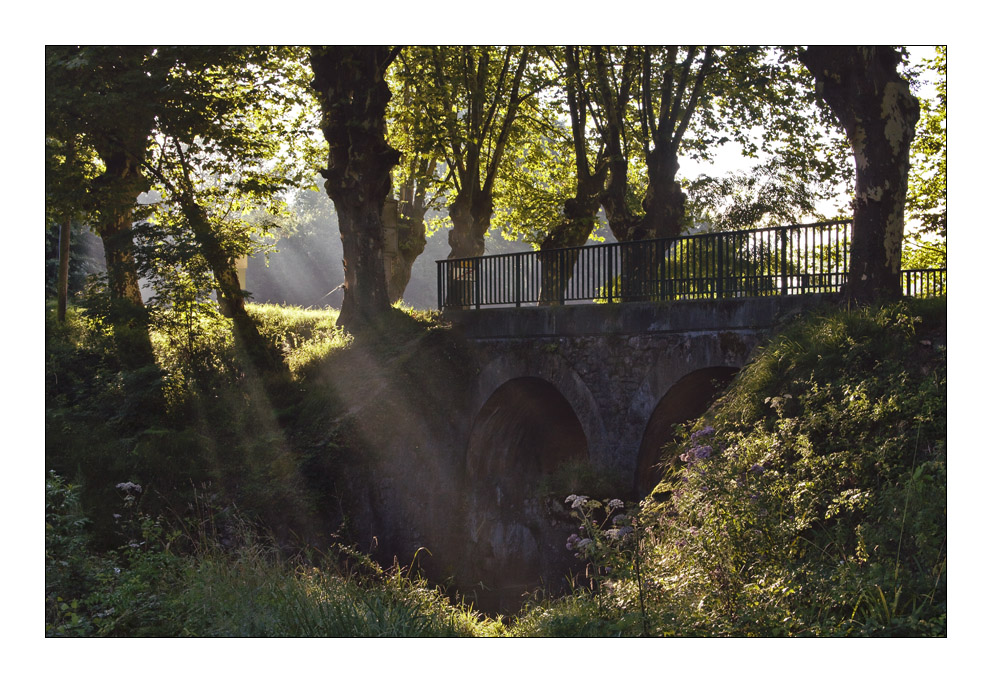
562	389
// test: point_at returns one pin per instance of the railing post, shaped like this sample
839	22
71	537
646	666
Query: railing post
719	266
609	272
516	278
477	285
783	268
440	294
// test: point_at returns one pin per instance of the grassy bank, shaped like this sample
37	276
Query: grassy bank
809	500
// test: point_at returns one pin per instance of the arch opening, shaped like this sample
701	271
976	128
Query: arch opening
524	433
686	400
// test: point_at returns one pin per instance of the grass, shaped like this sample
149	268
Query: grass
812	500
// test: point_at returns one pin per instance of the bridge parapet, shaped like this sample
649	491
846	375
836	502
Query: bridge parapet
755	313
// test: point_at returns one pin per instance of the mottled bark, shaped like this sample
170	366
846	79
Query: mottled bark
351	87
471	216
574	231
664	201
411	237
873	103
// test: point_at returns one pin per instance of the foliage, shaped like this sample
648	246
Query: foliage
304	335
770	194
926	201
811	499
214	575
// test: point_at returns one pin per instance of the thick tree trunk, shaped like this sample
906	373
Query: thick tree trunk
873	102
411	240
574	231
471	216
63	286
117	190
350	83
664	203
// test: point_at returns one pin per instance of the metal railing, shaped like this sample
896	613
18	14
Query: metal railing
795	259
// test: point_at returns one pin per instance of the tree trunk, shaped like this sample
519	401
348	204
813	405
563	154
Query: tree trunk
664	203
117	190
581	209
873	103
574	231
411	236
63	287
471	216
411	241
350	83
128	318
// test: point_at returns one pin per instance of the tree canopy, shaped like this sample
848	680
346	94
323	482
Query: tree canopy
546	144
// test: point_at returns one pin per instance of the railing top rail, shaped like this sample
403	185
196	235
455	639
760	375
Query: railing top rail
701	235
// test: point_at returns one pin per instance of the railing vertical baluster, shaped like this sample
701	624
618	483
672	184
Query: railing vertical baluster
719	267
609	273
783	261
516	279
476	282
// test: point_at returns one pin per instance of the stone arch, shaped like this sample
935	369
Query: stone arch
687	399
521	436
525	427
555	370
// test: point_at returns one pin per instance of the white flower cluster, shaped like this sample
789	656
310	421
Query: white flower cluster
617	534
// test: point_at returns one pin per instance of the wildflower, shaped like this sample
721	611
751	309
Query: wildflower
617	534
614	504
583	543
128	488
702	433
577	501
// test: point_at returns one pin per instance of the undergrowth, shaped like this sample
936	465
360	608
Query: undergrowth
810	499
